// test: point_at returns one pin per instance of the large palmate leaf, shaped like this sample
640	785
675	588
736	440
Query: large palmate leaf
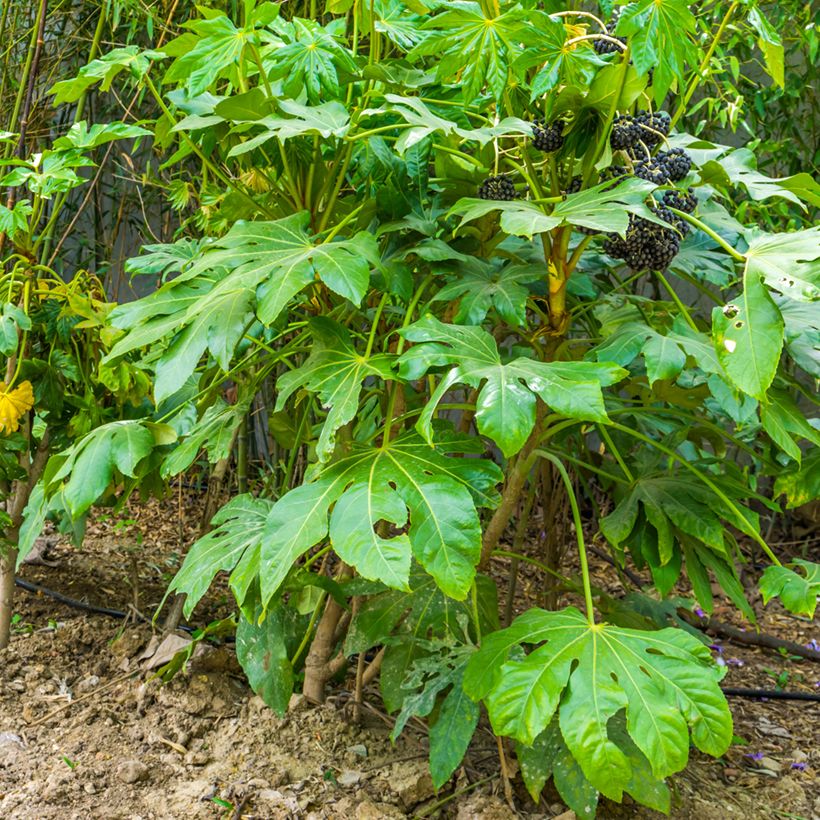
375	485
264	649
424	122
556	61
103	70
310	61
84	472
660	35
325	120
478	49
666	681
549	756
787	262
728	167
603	207
478	286
505	408
218	45
748	336
335	371
798	588
256	266
232	545
283	256
258	538
662	517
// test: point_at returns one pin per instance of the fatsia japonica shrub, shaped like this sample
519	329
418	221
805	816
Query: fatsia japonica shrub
482	274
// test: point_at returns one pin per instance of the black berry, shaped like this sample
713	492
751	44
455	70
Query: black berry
547	138
685	201
607	46
499	187
676	162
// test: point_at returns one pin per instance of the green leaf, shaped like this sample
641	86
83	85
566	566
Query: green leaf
802	485
802	333
438	491
660	34
748	335
326	120
549	756
782	419
451	732
262	650
89	465
797	592
239	526
357	540
505	407
260	265
214	431
82	137
310	60
335	371
476	48
665	680
770	44
603	207
787	262
218	46
103	70
739	167
479	286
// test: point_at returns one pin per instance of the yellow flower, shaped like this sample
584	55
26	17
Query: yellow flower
14	404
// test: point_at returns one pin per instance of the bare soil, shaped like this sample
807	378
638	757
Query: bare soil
86	733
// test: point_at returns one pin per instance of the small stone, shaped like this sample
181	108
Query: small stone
799	756
198	758
132	771
361	750
89	683
348	778
770	764
90	788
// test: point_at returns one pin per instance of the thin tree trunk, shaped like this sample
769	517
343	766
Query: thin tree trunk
215	484
8	561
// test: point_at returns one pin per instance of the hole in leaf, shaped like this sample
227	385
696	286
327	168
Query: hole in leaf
738	325
730	311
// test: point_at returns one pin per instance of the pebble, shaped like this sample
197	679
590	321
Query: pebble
132	771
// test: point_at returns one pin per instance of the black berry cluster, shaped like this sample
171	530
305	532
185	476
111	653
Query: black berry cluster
629	130
606	46
547	138
498	187
685	201
574	185
648	245
676	163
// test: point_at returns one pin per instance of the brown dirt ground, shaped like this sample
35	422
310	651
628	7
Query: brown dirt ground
204	746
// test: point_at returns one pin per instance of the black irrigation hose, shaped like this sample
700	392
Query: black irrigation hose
756	694
770	694
73	602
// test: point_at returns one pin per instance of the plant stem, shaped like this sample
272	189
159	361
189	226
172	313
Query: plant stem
693	220
579	530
